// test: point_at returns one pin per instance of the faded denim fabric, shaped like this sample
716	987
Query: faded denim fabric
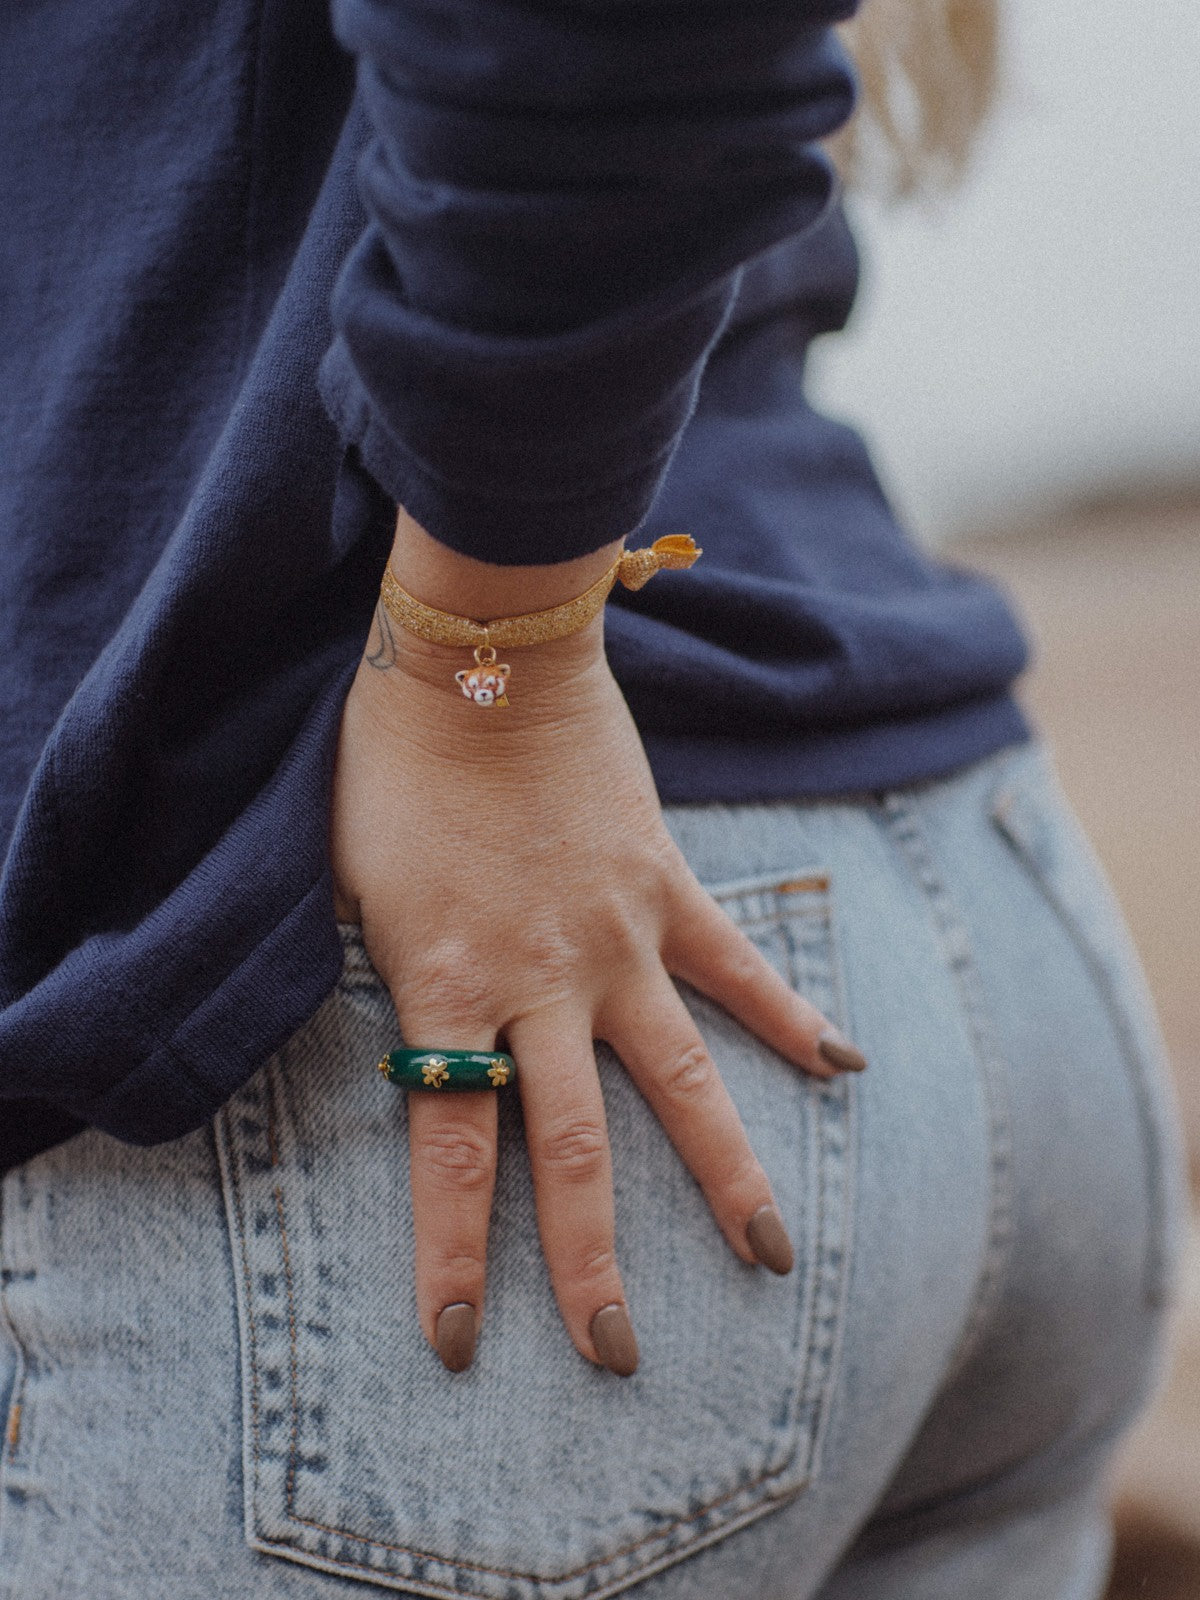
209	1354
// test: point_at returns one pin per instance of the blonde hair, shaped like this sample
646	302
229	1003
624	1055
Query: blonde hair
929	71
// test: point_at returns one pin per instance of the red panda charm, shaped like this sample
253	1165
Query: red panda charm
486	682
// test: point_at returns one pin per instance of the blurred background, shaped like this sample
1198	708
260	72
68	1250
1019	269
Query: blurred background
1024	361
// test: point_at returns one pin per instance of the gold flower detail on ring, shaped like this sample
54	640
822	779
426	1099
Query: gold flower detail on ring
498	1073
434	1072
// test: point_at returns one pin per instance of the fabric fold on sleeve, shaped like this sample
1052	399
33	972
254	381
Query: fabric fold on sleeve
559	201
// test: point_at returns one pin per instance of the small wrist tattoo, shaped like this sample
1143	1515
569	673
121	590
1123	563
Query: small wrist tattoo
383	655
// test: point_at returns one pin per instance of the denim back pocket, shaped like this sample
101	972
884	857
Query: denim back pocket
1031	811
532	1476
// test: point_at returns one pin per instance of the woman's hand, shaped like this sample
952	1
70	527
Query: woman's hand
514	880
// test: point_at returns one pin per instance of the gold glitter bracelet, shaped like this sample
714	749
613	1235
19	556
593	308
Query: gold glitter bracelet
487	683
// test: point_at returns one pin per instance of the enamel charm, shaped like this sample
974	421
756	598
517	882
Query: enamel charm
486	682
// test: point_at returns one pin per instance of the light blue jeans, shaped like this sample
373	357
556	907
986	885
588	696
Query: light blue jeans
216	1387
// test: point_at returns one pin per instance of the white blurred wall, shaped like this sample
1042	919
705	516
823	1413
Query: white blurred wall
1035	337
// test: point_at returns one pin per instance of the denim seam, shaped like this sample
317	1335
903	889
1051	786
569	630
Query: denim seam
902	820
848	1090
293	1361
290	1290
808	1391
815	1389
237	1210
458	1564
16	1400
815	1383
810	1346
1154	1271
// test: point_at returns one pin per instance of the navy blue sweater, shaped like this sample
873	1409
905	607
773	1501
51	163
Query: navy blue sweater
545	274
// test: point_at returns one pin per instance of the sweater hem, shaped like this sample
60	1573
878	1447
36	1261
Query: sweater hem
210	1055
827	764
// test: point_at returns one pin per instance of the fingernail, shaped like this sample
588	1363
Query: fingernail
767	1237
835	1048
613	1336
457	1326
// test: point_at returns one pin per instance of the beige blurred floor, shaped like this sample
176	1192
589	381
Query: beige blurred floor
1112	598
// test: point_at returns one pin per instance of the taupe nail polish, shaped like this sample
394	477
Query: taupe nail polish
457	1326
613	1336
836	1049
767	1237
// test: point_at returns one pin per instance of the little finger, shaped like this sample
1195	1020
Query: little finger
704	948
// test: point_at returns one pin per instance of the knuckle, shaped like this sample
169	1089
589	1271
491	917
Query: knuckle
595	1264
448	988
457	1159
547	952
741	1179
745	965
689	1073
462	1266
576	1151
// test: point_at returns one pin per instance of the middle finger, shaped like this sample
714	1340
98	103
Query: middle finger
569	1156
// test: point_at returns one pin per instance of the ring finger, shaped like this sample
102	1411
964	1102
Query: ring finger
452	1166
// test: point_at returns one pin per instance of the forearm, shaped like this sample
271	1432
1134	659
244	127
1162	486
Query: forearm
559	199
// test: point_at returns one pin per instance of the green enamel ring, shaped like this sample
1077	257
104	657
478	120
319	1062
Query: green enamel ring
448	1069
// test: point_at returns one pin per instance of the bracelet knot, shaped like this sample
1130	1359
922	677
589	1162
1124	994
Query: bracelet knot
673	550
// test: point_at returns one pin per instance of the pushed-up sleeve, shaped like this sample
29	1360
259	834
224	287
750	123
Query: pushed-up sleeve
559	196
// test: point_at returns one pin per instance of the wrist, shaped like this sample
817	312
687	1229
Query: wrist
429	621
411	686
540	672
468	604
467	587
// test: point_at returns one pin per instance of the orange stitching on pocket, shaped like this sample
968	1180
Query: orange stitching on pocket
818	883
13	1432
